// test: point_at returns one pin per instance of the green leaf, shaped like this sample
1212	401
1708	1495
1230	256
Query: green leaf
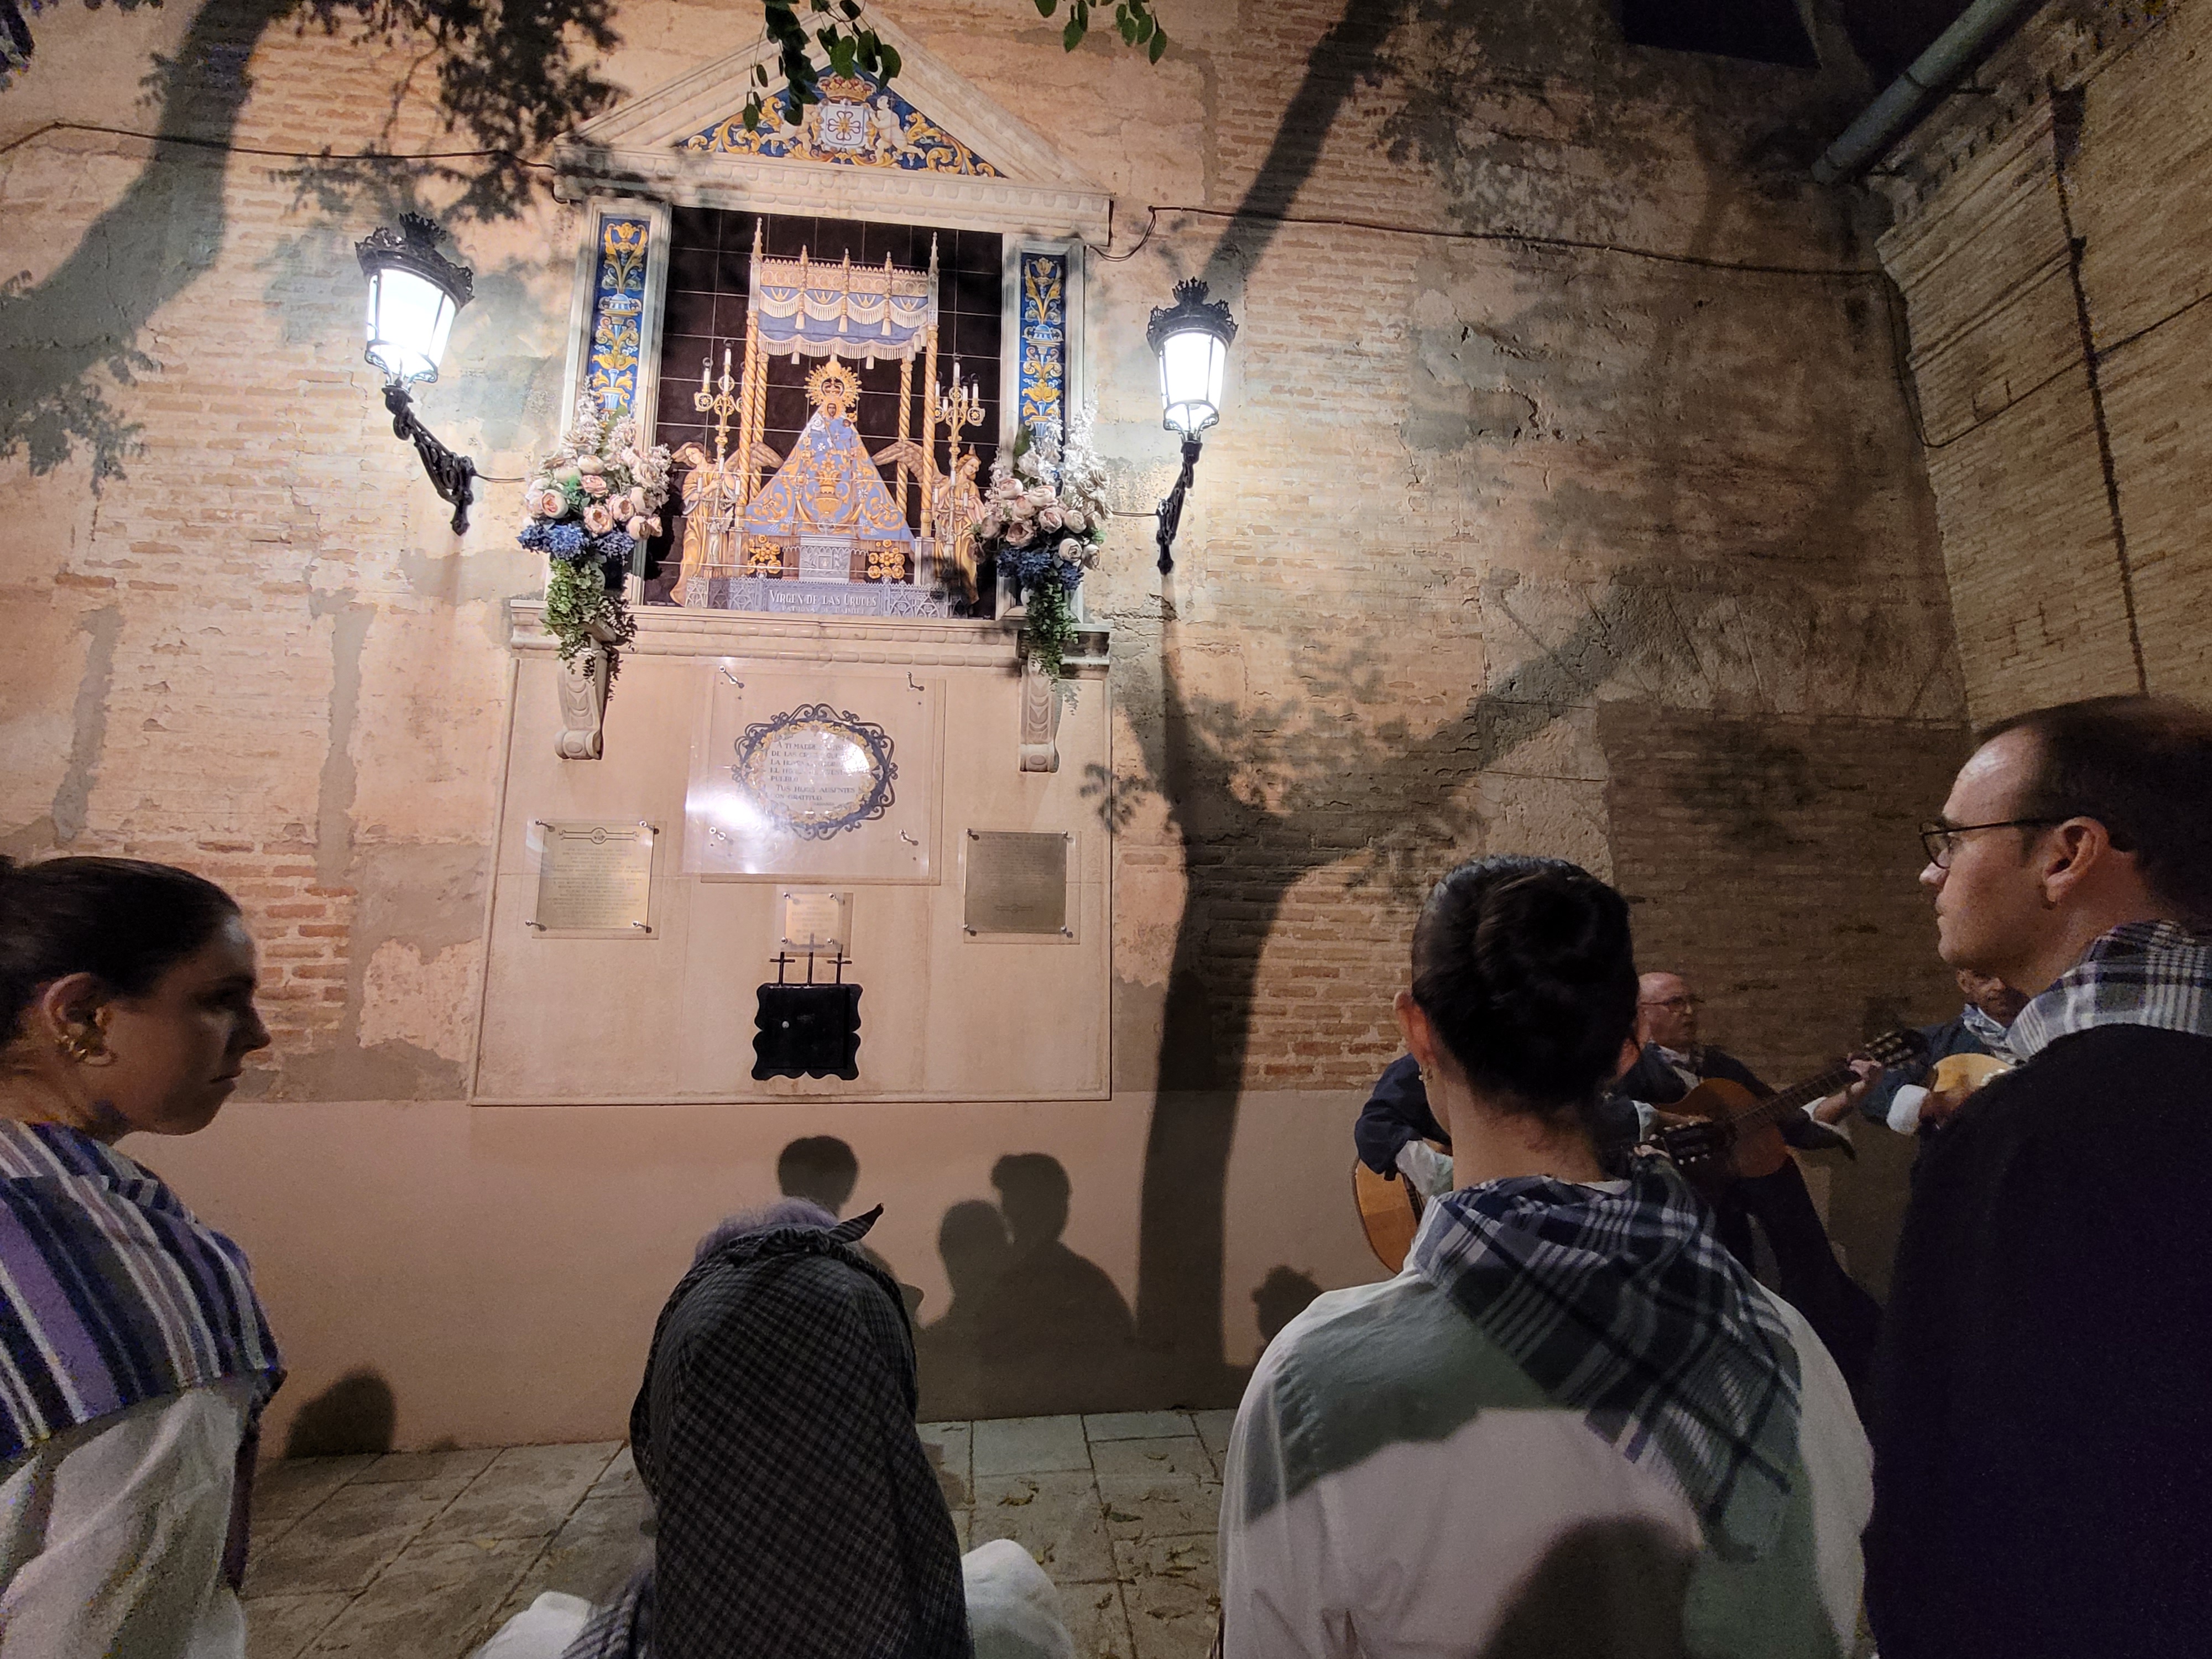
1159	45
892	61
753	114
1072	36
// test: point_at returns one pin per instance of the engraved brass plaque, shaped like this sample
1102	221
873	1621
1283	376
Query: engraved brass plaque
595	879
1017	883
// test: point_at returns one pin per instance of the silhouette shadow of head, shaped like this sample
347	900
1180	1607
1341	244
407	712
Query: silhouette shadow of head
976	1252
948	1351
821	1168
1033	1194
357	1414
1281	1298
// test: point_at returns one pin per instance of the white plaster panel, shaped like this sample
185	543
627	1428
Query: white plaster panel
944	1016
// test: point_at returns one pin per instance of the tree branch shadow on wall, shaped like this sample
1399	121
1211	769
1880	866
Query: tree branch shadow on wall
513	78
1261	798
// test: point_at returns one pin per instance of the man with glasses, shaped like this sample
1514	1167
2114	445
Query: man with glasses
2043	1472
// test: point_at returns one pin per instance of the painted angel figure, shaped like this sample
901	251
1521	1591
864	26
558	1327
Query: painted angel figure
955	508
710	508
886	131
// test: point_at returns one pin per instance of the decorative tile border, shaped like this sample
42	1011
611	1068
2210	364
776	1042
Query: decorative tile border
618	297
1042	367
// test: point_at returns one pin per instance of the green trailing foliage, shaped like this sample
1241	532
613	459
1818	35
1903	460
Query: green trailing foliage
582	611
836	29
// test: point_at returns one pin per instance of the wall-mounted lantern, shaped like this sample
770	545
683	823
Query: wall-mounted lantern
414	294
1191	338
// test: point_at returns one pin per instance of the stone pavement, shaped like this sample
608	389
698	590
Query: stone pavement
421	1555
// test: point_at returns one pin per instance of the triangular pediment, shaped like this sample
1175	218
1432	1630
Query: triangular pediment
874	152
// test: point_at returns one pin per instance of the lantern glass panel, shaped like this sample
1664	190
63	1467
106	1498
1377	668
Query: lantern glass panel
409	318
1191	361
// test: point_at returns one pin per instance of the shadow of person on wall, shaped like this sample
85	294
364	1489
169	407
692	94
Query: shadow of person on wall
824	1171
1060	1338
949	1354
818	1167
357	1414
1283	1295
1034	1328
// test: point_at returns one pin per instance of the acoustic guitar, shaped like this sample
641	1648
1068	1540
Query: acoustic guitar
1737	1133
1390	1211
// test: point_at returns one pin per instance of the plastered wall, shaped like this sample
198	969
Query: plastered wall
1567	501
2052	243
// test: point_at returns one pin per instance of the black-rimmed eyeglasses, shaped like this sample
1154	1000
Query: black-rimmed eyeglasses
1942	839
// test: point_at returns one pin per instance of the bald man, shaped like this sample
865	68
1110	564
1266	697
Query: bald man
1673	1063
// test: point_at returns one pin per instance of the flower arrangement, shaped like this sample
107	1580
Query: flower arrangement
593	504
1044	517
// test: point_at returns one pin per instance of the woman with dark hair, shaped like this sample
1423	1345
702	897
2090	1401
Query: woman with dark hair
134	1358
1572	1424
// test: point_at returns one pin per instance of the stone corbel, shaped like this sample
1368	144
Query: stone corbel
582	687
1040	742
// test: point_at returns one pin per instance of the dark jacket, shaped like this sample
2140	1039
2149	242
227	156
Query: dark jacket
1655	1083
1954	1037
2043	1473
1397	1111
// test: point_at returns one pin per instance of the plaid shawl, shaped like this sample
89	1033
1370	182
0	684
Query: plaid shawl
1625	1306
111	1293
2140	973
797	1516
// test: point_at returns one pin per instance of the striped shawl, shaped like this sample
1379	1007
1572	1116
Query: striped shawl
111	1293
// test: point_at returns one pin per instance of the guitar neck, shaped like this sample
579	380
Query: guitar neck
1797	1097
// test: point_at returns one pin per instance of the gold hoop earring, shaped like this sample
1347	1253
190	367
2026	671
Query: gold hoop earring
87	1046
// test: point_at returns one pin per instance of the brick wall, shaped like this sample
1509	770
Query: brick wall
1564	426
2052	243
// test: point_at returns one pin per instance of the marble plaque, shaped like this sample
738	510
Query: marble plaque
815	776
1017	883
817	770
815	921
594	879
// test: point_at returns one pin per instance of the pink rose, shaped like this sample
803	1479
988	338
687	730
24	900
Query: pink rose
1050	517
548	504
594	484
598	518
1018	535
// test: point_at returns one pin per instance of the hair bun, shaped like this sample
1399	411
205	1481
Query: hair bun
1526	968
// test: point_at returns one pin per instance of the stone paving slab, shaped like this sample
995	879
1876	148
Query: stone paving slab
284	1491
1053	1515
427	1465
347	1539
281	1626
527	1491
1213	1429
1159	1505
421	1555
1126	1457
1136	1425
1031	1445
1096	1621
431	1603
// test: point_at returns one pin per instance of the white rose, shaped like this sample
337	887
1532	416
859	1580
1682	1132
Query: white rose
1073	519
1070	548
590	463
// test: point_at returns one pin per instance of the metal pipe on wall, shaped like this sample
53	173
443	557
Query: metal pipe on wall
1906	98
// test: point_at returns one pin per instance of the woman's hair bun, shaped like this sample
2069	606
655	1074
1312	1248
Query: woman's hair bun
1526	969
